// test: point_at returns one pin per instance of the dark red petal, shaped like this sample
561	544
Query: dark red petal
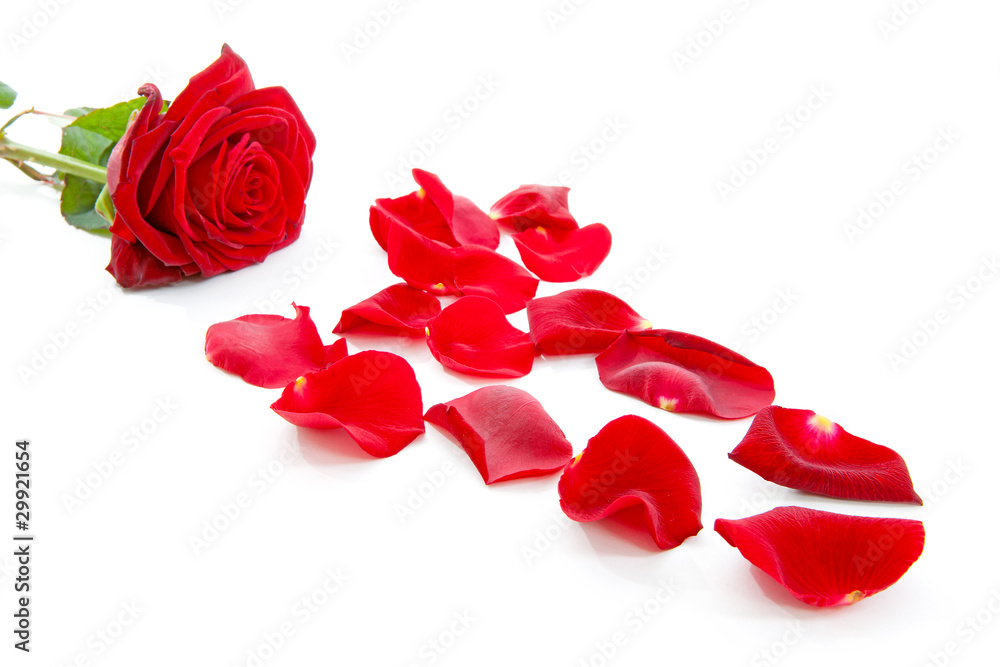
679	372
422	262
269	350
827	559
505	432
806	451
467	222
481	272
372	395
534	206
633	465
473	336
563	256
134	266
398	309
580	320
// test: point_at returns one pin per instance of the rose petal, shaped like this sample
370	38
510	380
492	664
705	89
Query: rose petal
534	206
580	320
335	352
468	223
134	266
826	559
505	432
481	272
422	262
679	372
416	211
434	212
372	395
473	336
559	256
806	451
472	270
270	350
398	309
632	465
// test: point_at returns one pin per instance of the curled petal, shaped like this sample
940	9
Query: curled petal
534	206
679	372
335	352
422	262
632	465
415	211
467	222
580	320
435	213
806	451
481	272
270	350
563	256
473	336
397	309
826	559
372	395
505	432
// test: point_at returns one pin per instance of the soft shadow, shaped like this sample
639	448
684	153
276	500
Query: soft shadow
526	485
797	496
698	417
476	381
326	448
621	534
387	342
778	594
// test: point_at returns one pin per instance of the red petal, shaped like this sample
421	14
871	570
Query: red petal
422	262
372	395
134	266
679	372
505	432
270	350
414	210
827	559
482	272
473	336
335	352
805	451
563	256
467	222
434	212
580	320
534	206
398	309
632	463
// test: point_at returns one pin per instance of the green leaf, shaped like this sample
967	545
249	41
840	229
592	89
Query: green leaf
84	144
110	122
79	195
7	96
78	111
77	204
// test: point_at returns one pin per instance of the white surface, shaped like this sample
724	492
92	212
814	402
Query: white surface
655	186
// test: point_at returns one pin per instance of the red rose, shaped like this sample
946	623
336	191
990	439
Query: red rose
215	184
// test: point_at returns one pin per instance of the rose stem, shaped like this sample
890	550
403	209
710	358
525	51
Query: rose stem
15	152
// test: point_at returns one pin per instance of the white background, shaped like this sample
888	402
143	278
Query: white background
466	550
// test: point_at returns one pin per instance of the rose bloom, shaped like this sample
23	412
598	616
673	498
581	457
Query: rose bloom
215	184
